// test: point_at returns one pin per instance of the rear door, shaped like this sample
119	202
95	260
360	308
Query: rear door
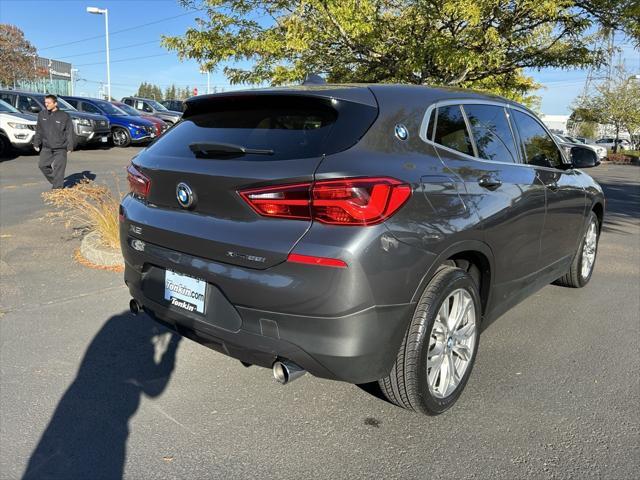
295	130
479	148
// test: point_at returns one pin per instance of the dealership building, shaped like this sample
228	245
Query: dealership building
53	76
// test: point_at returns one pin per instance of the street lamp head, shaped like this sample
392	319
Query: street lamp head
96	10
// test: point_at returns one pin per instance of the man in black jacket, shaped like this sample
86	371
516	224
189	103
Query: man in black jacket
54	138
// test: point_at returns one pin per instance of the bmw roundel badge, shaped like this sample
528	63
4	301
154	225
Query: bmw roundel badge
401	132
184	194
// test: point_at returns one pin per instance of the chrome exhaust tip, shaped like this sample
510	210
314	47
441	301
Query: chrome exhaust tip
285	371
134	306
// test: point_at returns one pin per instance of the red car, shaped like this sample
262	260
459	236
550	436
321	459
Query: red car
160	125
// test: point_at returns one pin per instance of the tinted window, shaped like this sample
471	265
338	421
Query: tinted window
6	108
128	101
7	97
73	103
108	108
294	128
25	103
538	145
87	107
451	130
491	132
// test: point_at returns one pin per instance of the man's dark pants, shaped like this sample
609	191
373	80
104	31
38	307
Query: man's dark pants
53	163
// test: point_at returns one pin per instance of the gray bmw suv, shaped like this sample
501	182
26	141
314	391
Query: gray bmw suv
358	232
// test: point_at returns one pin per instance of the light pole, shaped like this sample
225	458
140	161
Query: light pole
105	12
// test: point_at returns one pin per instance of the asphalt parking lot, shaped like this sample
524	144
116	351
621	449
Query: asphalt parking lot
89	391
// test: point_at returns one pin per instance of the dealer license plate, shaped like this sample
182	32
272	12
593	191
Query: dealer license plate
185	292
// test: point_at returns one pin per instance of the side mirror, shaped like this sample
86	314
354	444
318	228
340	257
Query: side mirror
34	109
582	157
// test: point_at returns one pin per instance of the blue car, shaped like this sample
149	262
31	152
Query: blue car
125	129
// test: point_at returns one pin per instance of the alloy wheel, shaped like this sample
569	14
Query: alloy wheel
451	343
119	137
589	250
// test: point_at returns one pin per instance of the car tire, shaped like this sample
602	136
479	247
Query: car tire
5	147
120	137
420	380
584	260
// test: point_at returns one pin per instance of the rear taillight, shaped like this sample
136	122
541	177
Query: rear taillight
289	201
358	201
139	183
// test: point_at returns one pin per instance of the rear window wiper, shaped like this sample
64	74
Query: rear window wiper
225	150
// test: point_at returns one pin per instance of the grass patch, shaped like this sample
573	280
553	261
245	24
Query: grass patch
90	204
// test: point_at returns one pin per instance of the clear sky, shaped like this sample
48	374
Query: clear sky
136	54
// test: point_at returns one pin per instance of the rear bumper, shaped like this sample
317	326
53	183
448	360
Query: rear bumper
356	348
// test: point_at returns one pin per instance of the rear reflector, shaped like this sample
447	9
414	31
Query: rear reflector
357	201
310	260
139	184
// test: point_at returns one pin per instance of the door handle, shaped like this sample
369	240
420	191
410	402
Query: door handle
489	182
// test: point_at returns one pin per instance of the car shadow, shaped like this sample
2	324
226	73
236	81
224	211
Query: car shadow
75	178
87	436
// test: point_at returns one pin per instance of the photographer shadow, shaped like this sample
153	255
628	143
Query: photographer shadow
87	435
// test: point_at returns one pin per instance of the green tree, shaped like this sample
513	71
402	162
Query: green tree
170	93
17	60
483	44
616	103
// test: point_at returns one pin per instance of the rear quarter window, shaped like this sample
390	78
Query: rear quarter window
451	130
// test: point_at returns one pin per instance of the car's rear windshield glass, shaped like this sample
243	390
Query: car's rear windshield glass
290	130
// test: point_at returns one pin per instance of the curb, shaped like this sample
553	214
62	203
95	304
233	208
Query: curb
96	254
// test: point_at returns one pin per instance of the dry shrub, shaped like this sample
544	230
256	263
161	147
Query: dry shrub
90	204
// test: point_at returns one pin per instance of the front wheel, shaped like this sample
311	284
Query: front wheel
437	354
584	260
120	137
5	146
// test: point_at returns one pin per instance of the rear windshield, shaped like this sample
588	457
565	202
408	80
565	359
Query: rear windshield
290	127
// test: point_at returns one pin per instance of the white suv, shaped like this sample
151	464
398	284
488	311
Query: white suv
16	129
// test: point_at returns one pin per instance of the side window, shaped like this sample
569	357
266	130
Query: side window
139	105
491	132
87	107
128	101
451	129
10	99
538	145
28	104
147	108
74	103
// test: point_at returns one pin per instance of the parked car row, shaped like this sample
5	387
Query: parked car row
568	142
96	121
